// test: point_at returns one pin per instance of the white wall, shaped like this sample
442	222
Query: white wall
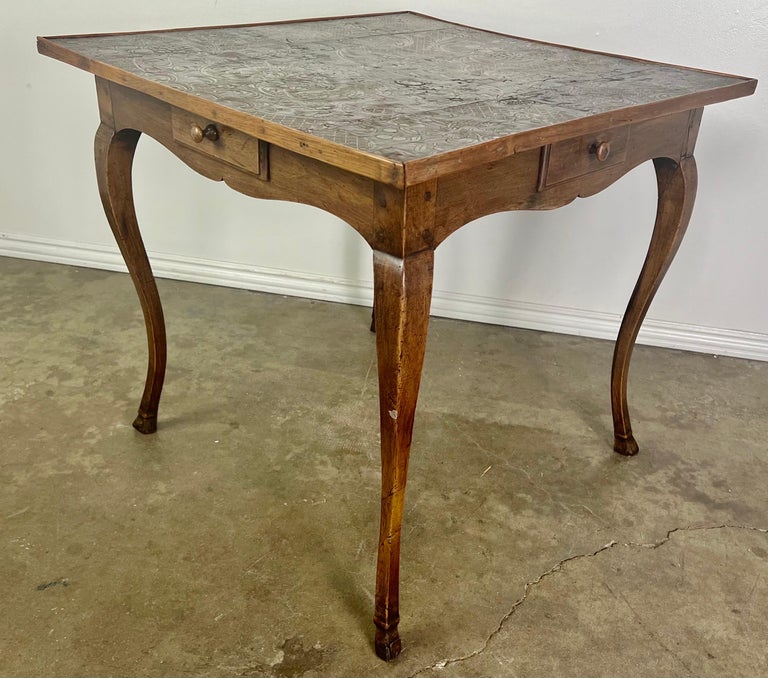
568	270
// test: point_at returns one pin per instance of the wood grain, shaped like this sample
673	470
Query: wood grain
513	183
114	153
403	290
677	183
292	177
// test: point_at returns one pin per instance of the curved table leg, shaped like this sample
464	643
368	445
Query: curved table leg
114	158
403	291
677	191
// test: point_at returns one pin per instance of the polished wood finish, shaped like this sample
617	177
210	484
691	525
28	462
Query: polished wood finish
114	158
228	145
519	182
588	153
402	291
677	180
404	190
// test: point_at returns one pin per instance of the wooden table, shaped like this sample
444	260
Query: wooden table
407	128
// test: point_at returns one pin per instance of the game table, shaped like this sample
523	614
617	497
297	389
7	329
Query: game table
407	128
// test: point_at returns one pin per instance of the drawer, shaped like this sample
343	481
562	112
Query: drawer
221	142
583	155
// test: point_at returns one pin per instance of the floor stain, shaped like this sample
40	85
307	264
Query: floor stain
63	581
293	661
297	660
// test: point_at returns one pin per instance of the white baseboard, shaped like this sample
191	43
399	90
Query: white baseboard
579	322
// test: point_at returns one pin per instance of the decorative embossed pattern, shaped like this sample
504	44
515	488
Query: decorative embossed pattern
399	86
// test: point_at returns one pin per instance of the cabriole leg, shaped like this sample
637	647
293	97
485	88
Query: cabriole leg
402	290
677	191
114	153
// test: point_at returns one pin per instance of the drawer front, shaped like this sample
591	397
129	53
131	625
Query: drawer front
218	141
583	155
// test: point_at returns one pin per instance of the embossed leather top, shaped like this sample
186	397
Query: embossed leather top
402	87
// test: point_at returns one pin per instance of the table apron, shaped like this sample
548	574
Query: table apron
245	163
402	221
524	181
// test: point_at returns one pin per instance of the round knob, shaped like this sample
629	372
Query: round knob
198	133
602	150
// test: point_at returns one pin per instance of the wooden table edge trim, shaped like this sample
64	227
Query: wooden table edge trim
360	162
280	22
385	170
423	169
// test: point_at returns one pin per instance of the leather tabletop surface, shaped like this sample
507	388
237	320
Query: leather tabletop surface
399	86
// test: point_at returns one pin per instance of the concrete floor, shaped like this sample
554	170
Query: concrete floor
240	539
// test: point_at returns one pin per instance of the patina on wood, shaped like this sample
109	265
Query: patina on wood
407	128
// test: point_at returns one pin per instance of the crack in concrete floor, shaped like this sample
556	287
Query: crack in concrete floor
559	566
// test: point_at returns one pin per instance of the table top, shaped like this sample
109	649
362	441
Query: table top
402	87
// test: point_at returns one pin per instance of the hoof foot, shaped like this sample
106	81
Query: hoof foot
145	423
626	446
387	644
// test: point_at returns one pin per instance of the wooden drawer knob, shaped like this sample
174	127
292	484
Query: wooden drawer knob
198	133
601	149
